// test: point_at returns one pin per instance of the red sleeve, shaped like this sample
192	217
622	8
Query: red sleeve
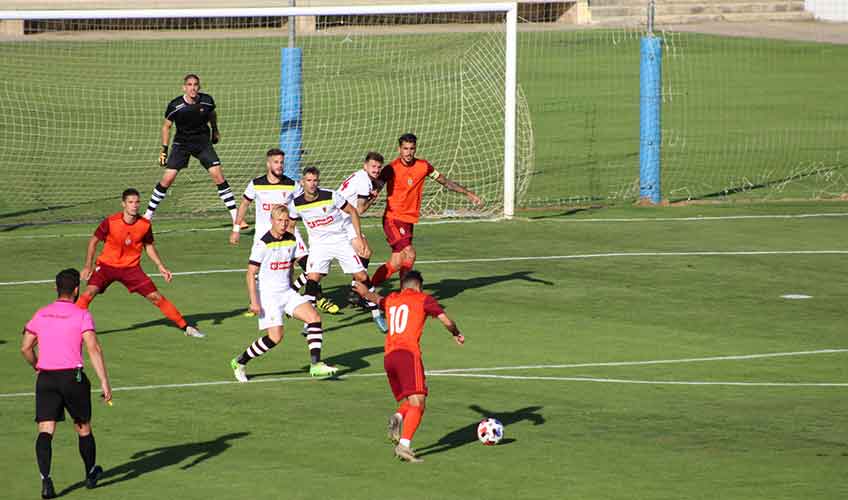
102	230
148	236
430	168
431	307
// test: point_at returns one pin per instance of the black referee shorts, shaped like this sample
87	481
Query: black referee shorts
182	151
57	390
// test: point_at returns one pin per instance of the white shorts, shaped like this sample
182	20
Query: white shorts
323	254
274	305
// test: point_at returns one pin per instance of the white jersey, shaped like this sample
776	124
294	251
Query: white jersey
274	257
266	196
323	216
356	187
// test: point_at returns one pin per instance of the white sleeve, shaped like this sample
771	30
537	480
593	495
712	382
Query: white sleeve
250	191
363	186
338	200
293	214
257	253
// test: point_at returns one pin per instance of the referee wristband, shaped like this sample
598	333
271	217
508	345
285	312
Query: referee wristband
236	228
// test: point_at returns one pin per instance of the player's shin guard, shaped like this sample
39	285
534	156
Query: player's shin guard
226	195
84	300
156	198
314	339
88	452
383	273
170	311
44	453
259	347
313	290
410	423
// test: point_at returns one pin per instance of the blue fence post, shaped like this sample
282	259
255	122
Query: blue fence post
291	112
650	113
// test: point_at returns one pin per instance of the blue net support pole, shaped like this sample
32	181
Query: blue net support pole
650	113
291	112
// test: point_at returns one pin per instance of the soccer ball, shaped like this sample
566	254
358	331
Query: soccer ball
489	431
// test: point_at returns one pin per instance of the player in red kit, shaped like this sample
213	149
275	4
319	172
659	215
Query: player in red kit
404	180
124	236
406	311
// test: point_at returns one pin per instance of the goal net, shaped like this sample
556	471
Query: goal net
83	95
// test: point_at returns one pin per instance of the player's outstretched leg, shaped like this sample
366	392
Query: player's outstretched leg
170	311
411	420
314	339
259	347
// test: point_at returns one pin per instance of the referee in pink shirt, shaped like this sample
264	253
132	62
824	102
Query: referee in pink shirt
59	330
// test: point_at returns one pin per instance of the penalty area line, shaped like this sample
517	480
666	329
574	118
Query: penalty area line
730	253
466	372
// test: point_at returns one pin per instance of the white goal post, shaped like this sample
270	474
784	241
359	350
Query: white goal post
507	9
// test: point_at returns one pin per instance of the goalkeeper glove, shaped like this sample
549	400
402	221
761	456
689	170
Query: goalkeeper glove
216	136
163	156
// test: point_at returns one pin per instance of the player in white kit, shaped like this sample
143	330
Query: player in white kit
332	236
272	258
274	188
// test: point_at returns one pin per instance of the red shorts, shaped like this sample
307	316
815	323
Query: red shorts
398	233
133	278
406	374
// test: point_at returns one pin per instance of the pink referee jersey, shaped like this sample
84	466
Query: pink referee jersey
59	328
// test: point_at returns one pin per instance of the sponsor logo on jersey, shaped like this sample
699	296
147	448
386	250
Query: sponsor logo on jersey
320	222
279	265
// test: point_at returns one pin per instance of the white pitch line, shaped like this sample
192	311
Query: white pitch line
697	218
642	363
458	372
530	258
645	382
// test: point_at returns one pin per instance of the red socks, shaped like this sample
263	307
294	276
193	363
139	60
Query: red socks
382	273
411	421
170	311
84	300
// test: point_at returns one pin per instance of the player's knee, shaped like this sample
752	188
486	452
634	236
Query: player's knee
83	428
408	254
154	298
417	400
276	334
47	426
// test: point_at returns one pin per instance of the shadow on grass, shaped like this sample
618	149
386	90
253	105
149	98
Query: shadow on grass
348	362
450	287
468	434
193	319
155	459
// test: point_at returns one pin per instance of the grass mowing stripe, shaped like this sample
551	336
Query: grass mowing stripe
644	382
538	257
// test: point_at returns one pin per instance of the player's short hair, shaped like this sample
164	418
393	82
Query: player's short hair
408	137
190	76
129	192
279	210
275	152
66	281
373	155
411	278
311	170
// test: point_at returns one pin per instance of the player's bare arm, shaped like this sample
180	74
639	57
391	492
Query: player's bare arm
252	270
28	348
95	354
457	188
166	139
213	123
359	244
450	326
150	248
242	212
91	251
363	292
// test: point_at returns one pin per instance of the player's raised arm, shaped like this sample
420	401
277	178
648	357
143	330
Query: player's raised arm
457	188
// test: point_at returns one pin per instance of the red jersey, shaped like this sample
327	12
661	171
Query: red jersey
123	242
404	186
407	311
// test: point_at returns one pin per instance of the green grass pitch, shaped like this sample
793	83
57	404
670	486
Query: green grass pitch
576	310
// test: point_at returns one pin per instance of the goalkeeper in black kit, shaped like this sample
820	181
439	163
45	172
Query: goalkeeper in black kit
197	130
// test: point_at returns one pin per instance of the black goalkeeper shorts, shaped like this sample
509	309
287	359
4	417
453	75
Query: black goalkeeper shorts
58	390
181	152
